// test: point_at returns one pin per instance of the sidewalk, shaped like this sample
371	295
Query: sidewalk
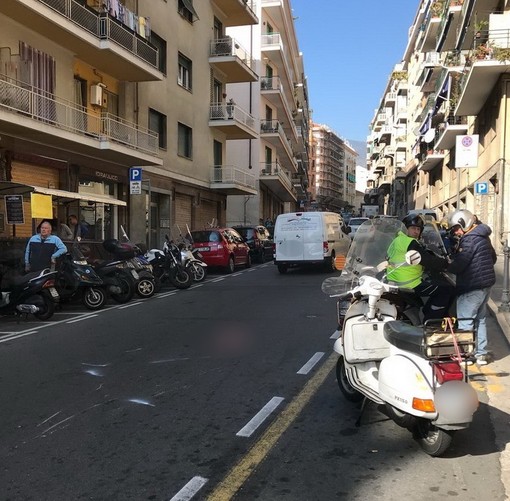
497	373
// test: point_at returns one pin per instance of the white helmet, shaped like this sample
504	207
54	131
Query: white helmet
463	218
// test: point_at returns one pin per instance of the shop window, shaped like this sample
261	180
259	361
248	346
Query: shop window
185	141
157	123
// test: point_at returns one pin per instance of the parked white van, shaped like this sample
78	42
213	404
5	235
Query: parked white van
309	238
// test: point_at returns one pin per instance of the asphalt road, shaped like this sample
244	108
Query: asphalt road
226	390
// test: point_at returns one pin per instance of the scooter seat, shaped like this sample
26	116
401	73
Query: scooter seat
404	336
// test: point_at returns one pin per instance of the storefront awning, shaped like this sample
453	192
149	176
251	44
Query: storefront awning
7	188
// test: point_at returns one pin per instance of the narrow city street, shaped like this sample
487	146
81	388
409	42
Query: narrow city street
225	390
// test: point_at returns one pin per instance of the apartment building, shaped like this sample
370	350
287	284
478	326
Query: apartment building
332	171
456	68
278	158
90	88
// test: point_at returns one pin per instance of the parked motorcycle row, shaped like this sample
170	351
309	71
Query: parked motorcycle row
128	272
414	371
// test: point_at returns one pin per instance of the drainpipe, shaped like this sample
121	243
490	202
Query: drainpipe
505	234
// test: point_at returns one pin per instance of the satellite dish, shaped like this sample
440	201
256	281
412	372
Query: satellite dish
429	136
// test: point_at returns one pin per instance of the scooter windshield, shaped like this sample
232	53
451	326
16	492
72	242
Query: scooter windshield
369	250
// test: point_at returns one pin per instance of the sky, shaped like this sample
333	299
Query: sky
350	48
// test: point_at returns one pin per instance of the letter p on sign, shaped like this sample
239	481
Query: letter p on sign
135	174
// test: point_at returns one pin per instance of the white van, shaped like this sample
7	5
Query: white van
309	238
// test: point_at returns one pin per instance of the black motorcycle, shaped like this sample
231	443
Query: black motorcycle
33	293
77	280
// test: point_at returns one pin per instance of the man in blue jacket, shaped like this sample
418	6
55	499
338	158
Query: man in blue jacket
473	264
43	249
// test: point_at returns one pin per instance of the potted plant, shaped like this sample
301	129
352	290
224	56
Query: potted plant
437	8
480	26
502	54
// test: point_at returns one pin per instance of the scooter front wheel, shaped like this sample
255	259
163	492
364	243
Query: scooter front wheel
346	388
198	272
433	440
94	298
146	287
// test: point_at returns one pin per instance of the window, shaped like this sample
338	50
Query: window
184	78
186	10
157	123
160	44
185	141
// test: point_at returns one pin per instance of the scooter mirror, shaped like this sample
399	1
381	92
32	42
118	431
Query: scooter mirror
413	257
382	266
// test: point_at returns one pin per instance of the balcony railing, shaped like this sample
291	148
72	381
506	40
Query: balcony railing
28	101
105	28
225	47
228	174
221	111
274	169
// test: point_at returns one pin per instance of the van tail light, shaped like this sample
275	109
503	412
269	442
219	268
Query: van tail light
325	247
448	371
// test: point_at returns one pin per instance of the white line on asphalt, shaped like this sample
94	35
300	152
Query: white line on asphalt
196	286
17	336
130	304
258	419
251	269
335	335
218	279
80	319
239	273
159	296
311	363
190	489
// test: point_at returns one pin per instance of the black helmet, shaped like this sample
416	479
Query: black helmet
414	220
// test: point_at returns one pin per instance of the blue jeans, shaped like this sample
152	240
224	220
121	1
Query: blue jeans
473	306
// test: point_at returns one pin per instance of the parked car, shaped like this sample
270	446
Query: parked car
355	223
222	247
259	241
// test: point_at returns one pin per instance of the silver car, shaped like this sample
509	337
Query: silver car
355	223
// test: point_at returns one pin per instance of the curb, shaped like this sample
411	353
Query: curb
501	318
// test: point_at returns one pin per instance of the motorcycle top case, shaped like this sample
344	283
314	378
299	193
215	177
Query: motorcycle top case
364	339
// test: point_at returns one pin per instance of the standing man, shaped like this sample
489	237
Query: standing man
43	249
473	264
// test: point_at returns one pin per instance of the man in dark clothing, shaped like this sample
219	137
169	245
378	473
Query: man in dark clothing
43	249
473	264
438	291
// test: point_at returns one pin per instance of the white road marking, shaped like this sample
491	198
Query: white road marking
258	419
190	489
311	363
80	319
17	336
219	279
335	335
159	296
130	305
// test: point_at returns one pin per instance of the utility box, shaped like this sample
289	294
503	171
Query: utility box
98	96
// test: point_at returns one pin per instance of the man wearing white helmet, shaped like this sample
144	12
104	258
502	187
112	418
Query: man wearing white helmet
473	264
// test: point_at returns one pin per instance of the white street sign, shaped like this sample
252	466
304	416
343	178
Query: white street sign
135	187
466	151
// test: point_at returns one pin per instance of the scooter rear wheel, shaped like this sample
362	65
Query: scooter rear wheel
433	440
180	278
94	298
198	272
46	308
145	287
347	390
127	287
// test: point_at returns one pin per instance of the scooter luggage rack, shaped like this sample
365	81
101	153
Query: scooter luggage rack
439	343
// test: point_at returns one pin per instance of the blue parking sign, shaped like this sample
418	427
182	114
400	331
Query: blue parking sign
135	174
482	188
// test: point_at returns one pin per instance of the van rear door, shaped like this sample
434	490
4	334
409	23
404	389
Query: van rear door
313	237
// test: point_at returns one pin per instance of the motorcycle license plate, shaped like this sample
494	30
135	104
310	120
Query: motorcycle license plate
135	274
203	249
54	293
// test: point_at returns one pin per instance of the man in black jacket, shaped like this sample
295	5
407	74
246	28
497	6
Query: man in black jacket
473	264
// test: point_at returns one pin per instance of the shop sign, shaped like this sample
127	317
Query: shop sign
14	209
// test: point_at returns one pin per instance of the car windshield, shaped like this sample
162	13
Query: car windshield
247	233
205	236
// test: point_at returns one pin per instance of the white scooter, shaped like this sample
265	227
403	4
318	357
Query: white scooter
417	374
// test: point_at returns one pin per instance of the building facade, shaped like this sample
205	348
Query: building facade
455	70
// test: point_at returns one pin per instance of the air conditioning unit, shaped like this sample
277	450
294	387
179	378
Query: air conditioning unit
98	96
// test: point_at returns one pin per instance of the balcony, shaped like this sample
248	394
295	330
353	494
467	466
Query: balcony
390	97
30	116
273	132
449	130
278	181
385	134
233	121
431	68
95	38
231	180
385	181
272	90
229	57
431	160
449	26
427	40
238	12
273	50
489	61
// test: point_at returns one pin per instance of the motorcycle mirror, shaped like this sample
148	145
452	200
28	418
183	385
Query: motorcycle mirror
413	257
